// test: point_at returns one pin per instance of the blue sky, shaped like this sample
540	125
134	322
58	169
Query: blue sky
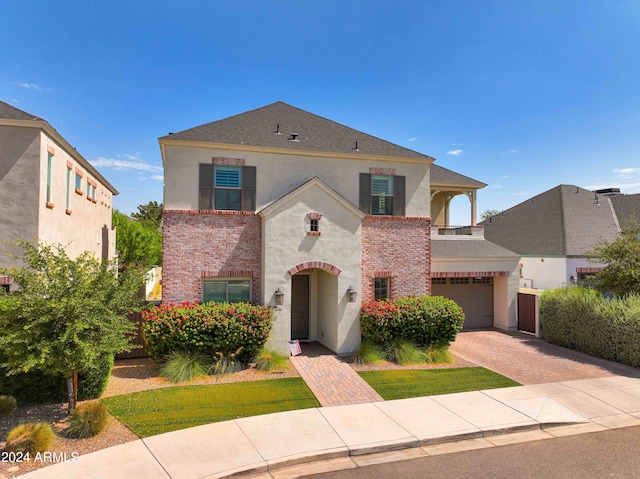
520	95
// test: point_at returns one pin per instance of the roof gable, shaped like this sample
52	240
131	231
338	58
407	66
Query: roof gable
314	182
443	177
272	126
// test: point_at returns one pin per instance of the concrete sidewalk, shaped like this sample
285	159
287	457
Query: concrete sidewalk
275	441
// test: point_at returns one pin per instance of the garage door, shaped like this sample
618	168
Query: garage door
474	295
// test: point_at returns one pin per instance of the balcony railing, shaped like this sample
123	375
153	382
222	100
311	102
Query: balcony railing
458	231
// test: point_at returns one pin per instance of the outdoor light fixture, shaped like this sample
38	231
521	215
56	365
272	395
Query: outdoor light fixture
351	295
279	297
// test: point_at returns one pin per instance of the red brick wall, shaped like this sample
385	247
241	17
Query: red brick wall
398	248
199	244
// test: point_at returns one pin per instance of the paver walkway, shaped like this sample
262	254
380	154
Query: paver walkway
333	382
530	360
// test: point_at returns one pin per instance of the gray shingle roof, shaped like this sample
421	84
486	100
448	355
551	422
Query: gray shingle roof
471	248
563	221
443	176
314	133
10	112
627	208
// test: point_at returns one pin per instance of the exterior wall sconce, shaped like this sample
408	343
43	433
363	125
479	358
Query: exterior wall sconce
279	297
351	295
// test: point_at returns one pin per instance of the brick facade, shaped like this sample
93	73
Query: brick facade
198	244
398	248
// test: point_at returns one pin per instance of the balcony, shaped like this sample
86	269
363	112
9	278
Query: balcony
457	232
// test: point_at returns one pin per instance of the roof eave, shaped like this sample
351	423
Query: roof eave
164	141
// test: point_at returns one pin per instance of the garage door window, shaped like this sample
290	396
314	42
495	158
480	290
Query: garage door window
438	280
482	280
459	281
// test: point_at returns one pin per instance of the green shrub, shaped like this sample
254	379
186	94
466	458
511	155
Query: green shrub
368	353
438	355
88	419
227	363
582	319
184	366
31	437
8	405
269	360
424	320
209	327
401	351
38	387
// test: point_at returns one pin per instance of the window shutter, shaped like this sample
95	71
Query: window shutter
398	195
248	198
365	192
206	187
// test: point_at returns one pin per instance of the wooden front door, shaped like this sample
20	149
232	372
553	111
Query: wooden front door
300	306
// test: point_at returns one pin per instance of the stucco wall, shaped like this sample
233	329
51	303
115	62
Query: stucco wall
398	248
544	272
204	244
287	244
279	174
86	225
19	174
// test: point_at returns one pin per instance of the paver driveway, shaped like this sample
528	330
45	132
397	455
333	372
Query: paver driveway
530	360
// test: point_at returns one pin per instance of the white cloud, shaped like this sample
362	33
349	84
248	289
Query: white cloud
519	193
157	177
29	86
497	187
457	144
627	171
513	151
504	177
454	152
124	165
412	139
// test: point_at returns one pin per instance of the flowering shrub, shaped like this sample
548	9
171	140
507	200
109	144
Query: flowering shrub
424	320
210	328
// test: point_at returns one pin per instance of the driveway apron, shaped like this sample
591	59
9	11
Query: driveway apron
530	360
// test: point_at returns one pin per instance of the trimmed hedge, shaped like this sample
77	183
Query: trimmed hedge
424	320
210	328
581	319
40	388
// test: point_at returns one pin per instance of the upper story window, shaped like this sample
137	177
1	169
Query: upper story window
382	194
225	187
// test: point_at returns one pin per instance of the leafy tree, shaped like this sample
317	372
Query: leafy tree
489	213
621	276
139	242
68	315
150	214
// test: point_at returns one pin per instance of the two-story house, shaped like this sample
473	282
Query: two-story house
285	208
49	191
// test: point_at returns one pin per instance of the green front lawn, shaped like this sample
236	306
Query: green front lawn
162	410
400	384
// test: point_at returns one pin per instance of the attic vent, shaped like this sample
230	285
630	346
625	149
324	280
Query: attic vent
278	129
356	148
294	137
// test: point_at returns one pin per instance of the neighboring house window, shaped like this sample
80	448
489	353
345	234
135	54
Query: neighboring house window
68	187
227	188
381	288
382	194
78	183
226	290
49	157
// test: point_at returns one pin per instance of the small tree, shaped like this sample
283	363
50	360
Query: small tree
139	243
151	214
621	276
68	315
488	214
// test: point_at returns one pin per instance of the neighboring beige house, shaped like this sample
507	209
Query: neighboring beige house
553	230
49	191
288	209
